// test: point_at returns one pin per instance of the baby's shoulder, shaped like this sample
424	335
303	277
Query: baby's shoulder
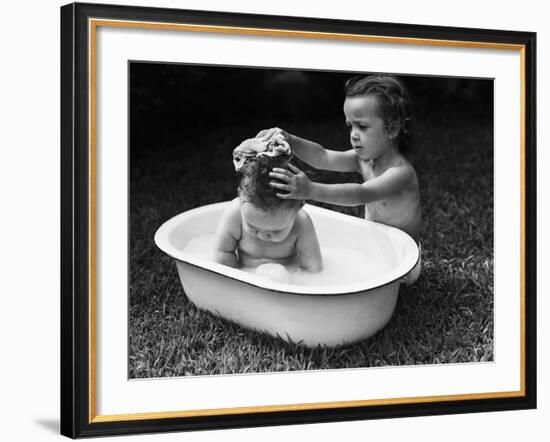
231	218
232	208
234	205
303	222
302	215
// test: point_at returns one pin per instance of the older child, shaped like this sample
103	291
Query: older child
378	116
258	227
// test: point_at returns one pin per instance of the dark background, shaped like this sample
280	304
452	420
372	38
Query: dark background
171	102
185	121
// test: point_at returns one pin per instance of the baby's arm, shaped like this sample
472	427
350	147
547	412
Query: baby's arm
315	154
348	194
307	244
228	235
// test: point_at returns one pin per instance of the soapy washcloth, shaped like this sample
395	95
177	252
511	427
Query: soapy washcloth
256	147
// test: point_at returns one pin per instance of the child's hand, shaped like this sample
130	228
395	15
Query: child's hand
298	185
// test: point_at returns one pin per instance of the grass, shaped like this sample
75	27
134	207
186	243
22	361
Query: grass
446	317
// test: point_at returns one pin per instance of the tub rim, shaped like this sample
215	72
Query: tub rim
161	239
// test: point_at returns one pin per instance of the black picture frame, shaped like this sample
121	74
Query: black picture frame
77	418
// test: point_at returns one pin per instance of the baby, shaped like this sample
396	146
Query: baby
377	113
258	228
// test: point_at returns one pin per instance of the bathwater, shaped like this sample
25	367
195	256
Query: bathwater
340	266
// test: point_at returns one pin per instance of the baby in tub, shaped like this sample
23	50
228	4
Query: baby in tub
259	229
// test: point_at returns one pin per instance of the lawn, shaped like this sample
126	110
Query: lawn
446	317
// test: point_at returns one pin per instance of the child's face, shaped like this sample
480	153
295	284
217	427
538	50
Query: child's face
368	135
272	226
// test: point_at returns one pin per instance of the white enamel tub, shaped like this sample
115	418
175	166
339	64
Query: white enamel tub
313	315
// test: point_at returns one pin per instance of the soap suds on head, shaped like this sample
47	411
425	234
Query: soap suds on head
254	160
253	148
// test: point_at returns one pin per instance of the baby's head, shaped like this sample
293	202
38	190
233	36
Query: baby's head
264	214
388	98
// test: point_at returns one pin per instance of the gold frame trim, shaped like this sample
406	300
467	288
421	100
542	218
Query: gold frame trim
93	24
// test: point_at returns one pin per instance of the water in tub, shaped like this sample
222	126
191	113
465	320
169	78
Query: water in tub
340	266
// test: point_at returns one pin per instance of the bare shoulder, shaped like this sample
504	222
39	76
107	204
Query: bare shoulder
231	219
404	169
303	223
234	207
303	217
405	178
410	170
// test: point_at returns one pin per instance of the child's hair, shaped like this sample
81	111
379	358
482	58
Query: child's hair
393	103
254	184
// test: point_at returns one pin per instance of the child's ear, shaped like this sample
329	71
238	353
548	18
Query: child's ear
393	129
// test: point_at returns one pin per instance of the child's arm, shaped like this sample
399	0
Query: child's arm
307	244
315	154
299	186
227	237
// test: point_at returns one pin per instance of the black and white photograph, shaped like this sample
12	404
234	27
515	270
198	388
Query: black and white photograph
275	221
290	220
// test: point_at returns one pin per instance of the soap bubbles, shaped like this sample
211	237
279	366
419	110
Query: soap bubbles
274	272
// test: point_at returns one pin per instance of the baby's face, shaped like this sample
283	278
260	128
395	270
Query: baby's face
268	226
368	135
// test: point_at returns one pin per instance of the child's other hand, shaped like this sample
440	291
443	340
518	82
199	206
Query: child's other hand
298	185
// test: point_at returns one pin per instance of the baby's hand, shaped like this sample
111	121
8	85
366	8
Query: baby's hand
269	134
298	185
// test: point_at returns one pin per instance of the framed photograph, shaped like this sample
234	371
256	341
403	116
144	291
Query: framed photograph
273	220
